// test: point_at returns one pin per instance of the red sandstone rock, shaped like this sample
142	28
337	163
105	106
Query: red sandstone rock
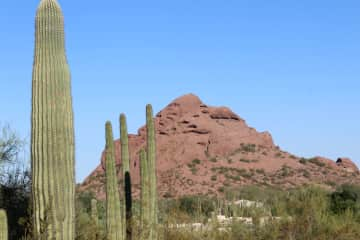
347	164
187	129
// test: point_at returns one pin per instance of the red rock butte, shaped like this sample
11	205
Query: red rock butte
203	150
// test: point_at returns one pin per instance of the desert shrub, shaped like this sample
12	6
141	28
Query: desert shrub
311	217
306	173
269	231
15	199
317	162
213	159
245	160
248	148
196	161
193	204
285	171
252	192
347	197
248	160
10	145
303	161
305	214
86	227
330	183
192	165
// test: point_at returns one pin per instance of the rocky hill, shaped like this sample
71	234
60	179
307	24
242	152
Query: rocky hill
204	150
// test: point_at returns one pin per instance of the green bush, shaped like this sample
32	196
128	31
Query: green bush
248	147
86	227
347	197
317	162
303	161
196	161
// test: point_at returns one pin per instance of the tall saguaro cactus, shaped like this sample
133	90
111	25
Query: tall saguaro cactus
125	158
3	225
151	158
114	222
52	131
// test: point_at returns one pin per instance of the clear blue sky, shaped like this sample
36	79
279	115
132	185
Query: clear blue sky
289	67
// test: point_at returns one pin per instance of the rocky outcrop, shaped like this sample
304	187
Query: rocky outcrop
203	149
347	165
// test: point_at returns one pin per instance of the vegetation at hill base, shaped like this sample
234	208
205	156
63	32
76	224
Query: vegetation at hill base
303	213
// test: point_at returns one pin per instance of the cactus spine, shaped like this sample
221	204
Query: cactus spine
125	158
52	131
151	158
114	222
3	225
145	192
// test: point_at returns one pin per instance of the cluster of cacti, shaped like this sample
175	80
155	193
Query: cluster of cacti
52	132
3	225
114	223
52	147
120	211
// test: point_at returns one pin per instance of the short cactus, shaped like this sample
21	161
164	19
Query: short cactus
114	228
52	131
3	225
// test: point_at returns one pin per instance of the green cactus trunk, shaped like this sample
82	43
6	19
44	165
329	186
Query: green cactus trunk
125	158
3	225
145	196
94	211
52	131
151	158
114	228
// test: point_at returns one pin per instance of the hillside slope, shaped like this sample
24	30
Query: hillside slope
203	150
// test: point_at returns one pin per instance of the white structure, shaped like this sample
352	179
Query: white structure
248	203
